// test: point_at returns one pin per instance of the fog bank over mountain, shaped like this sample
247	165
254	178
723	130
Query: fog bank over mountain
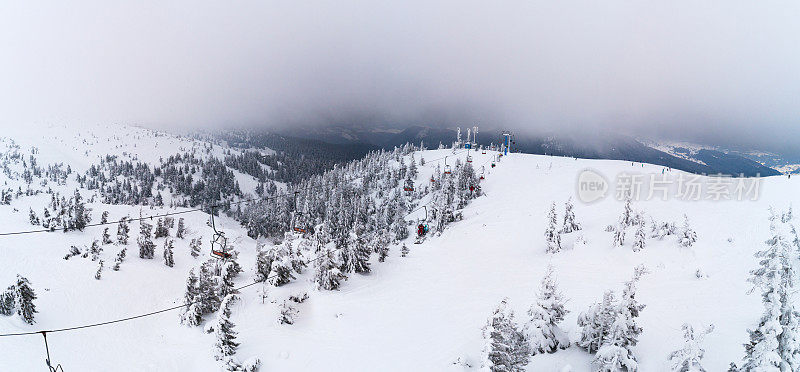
722	72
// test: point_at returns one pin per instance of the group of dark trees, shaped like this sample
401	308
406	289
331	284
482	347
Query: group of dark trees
18	299
191	180
63	214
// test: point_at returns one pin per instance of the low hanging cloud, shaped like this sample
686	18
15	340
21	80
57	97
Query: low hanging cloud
722	71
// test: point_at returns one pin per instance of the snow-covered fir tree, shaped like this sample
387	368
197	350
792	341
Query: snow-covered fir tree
180	233
355	254
627	218
619	235
226	344
596	322
104	218
689	357
99	273
639	239
775	342
146	246
33	218
193	314
327	273
505	345
687	236
570	223
194	247
122	231
8	303
162	230
614	355
551	235
106	237
404	250
169	258
95	250
629	308
282	269
119	258
23	299
288	313
543	331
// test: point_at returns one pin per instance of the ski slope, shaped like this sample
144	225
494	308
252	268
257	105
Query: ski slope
417	313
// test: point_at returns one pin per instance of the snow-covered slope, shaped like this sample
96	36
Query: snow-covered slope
421	312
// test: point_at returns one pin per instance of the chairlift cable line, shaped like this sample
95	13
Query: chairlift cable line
158	311
74	328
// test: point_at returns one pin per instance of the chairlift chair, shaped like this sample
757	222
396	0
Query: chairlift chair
409	186
219	243
469	158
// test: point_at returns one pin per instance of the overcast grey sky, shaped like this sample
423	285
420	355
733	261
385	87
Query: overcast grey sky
720	70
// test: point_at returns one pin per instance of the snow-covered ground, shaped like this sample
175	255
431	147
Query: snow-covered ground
422	312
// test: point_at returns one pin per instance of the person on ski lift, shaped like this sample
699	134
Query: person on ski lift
421	230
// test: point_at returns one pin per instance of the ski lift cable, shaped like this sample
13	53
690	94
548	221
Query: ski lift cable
201	209
156	312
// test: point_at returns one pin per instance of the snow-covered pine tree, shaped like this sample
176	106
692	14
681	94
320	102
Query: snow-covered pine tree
181	231
281	268
230	270
551	235
120	257
506	348
95	250
146	246
122	231
106	237
207	284
99	273
81	216
775	342
787	216
33	218
627	217
619	235
327	274
23	298
169	258
630	308
7	302
104	217
404	250
288	313
194	247
162	231
639	240
596	322
614	355
687	236
688	358
544	334
192	316
226	344
356	254
570	224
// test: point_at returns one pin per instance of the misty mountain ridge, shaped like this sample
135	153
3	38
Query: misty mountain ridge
694	158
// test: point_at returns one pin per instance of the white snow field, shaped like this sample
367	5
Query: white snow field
417	313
